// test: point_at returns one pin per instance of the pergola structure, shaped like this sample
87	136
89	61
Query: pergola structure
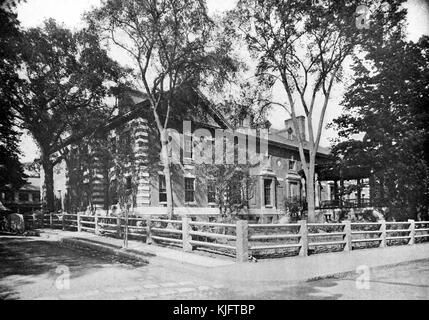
337	174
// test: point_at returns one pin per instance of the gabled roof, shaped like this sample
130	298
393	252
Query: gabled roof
197	98
32	184
188	100
214	112
190	104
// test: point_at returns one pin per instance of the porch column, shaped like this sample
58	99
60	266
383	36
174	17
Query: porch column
341	189
335	190
359	193
316	191
371	188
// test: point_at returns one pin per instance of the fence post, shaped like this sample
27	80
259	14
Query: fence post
303	231
186	237
126	229
79	226
96	230
242	242
348	235
383	233
412	231
148	230
51	222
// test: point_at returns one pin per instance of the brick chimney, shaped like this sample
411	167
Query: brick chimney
290	129
244	123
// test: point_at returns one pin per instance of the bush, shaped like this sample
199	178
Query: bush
294	207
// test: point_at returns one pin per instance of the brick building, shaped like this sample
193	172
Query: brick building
27	198
127	149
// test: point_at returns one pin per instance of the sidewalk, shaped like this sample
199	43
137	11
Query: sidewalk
156	254
284	269
322	265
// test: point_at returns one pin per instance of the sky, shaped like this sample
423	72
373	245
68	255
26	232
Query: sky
69	12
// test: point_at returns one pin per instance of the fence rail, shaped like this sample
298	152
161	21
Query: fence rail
242	239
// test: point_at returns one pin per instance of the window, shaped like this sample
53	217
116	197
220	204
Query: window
236	151
211	191
292	164
187	152
162	190
290	134
36	197
129	183
267	192
293	190
113	194
236	192
189	189
23	196
9	197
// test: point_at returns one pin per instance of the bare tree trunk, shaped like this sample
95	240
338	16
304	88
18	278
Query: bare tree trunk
310	190
311	199
48	185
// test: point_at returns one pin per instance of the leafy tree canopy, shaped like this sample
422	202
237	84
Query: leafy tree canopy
387	103
11	171
64	78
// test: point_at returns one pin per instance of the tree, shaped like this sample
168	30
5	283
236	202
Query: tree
233	186
64	78
172	45
303	46
395	142
11	170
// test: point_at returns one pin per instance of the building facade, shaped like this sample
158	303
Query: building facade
28	198
122	167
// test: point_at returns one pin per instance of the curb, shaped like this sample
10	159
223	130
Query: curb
353	272
109	249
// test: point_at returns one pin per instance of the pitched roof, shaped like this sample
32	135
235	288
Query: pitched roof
276	137
188	104
189	98
33	184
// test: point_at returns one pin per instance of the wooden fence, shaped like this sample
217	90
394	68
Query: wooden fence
242	239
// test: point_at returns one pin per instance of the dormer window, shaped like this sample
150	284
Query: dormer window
290	134
292	164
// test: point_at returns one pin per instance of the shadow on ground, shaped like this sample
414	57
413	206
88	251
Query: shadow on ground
24	260
300	291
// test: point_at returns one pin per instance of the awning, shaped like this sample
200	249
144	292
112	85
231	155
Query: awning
329	171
